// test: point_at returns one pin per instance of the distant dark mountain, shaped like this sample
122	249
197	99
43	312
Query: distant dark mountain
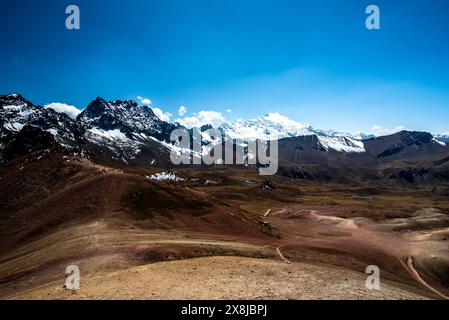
404	144
409	145
309	150
443	137
407	156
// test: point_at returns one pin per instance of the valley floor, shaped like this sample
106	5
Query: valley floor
217	234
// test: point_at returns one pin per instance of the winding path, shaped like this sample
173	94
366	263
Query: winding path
409	266
278	251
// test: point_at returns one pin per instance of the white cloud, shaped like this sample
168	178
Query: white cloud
69	110
182	110
202	118
228	110
144	100
190	122
381	131
164	116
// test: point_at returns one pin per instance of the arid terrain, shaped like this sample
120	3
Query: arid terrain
224	150
219	233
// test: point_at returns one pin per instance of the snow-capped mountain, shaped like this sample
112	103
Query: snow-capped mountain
127	132
274	126
121	130
124	127
16	112
126	116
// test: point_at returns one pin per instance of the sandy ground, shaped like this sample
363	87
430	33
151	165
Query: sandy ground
223	278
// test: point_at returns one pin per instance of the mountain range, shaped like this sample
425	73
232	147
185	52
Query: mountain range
128	133
96	189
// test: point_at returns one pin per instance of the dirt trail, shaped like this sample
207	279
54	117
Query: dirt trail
362	238
409	266
278	251
116	239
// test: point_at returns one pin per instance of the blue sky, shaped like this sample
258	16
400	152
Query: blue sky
313	61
